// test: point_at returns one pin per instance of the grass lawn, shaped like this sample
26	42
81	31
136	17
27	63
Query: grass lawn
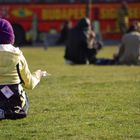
83	102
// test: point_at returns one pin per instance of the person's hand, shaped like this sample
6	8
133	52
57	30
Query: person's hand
41	73
45	73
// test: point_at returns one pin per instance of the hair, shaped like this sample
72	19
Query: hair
133	27
83	23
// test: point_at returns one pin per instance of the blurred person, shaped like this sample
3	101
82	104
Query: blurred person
64	32
34	29
137	24
129	50
96	25
14	76
45	41
81	45
123	17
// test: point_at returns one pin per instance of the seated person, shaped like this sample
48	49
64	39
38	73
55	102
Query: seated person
129	51
64	33
82	45
14	76
79	44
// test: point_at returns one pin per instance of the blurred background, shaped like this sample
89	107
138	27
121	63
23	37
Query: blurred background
35	21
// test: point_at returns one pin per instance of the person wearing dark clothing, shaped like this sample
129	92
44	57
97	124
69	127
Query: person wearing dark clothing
82	46
123	17
63	33
79	44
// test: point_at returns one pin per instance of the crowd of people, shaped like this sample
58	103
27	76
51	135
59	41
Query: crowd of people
82	46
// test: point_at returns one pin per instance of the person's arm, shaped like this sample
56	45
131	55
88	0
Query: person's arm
30	80
120	52
91	39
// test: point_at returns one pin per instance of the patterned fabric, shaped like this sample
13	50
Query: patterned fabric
13	102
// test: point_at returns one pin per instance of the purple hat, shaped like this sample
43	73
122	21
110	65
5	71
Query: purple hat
6	32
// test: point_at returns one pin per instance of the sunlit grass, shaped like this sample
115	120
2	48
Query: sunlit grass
85	102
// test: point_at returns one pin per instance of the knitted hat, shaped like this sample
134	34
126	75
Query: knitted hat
6	32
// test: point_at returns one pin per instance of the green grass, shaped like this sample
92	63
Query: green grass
85	102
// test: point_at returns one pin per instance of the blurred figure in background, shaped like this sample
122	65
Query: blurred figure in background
123	17
129	51
34	29
81	45
64	32
96	25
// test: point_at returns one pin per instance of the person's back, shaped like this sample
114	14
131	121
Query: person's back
76	46
10	58
14	76
131	43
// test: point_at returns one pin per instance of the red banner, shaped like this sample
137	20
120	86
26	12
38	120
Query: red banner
51	16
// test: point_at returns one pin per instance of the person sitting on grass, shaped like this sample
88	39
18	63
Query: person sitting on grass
129	50
79	44
14	76
82	46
